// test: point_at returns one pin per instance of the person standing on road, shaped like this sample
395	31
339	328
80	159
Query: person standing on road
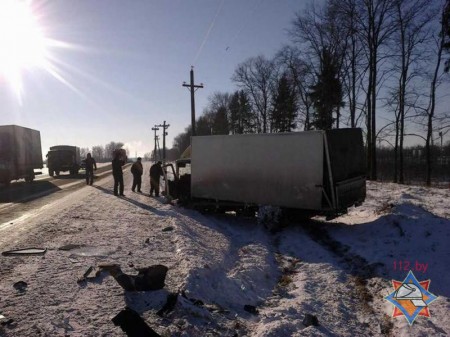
117	164
91	165
137	170
155	173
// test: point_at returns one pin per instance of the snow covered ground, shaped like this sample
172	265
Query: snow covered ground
339	271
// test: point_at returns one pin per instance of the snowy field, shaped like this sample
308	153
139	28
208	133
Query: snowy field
339	271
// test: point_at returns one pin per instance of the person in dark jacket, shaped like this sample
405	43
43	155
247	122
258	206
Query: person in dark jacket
91	165
155	173
117	164
136	171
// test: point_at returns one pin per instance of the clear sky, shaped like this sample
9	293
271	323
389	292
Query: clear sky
118	66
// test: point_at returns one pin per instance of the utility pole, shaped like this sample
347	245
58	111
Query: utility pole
192	88
164	126
156	138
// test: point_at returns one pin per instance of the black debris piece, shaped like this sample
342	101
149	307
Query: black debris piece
147	240
251	309
25	251
133	325
20	286
310	320
170	304
150	278
5	321
168	229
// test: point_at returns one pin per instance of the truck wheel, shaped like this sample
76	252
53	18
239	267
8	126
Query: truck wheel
51	173
57	173
30	177
6	182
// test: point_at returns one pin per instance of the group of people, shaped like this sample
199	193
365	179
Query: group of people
156	172
137	170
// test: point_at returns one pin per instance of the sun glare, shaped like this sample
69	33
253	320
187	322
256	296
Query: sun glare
22	43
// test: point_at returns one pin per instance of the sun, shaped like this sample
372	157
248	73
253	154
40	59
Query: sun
22	43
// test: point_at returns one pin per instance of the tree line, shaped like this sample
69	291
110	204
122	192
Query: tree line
346	60
102	153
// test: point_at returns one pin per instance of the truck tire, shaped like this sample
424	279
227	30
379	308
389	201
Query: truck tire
6	181
51	173
57	173
30	176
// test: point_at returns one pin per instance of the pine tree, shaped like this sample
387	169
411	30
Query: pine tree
284	107
326	93
241	117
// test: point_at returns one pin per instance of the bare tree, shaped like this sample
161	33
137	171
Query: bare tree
353	69
84	151
375	27
255	76
446	30
411	19
430	110
98	152
110	147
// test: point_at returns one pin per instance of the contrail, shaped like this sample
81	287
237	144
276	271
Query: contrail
209	31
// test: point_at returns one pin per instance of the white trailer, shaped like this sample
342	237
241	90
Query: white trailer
319	171
20	153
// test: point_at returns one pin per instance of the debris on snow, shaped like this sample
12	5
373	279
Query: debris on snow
251	309
151	278
25	251
85	274
133	325
169	305
20	286
5	321
310	320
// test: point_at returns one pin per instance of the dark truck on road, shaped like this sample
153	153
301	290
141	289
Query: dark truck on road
20	153
62	158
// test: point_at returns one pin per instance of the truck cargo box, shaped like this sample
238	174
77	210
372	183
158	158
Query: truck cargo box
313	170
20	153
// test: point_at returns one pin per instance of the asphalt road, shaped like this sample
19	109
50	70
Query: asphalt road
19	198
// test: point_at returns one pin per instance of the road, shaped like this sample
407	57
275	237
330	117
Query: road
21	198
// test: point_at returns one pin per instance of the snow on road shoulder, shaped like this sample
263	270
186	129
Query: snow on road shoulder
231	264
338	271
412	232
221	261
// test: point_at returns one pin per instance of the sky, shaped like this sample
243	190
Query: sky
116	68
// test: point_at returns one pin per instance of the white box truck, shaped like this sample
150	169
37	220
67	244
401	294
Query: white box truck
314	171
20	153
